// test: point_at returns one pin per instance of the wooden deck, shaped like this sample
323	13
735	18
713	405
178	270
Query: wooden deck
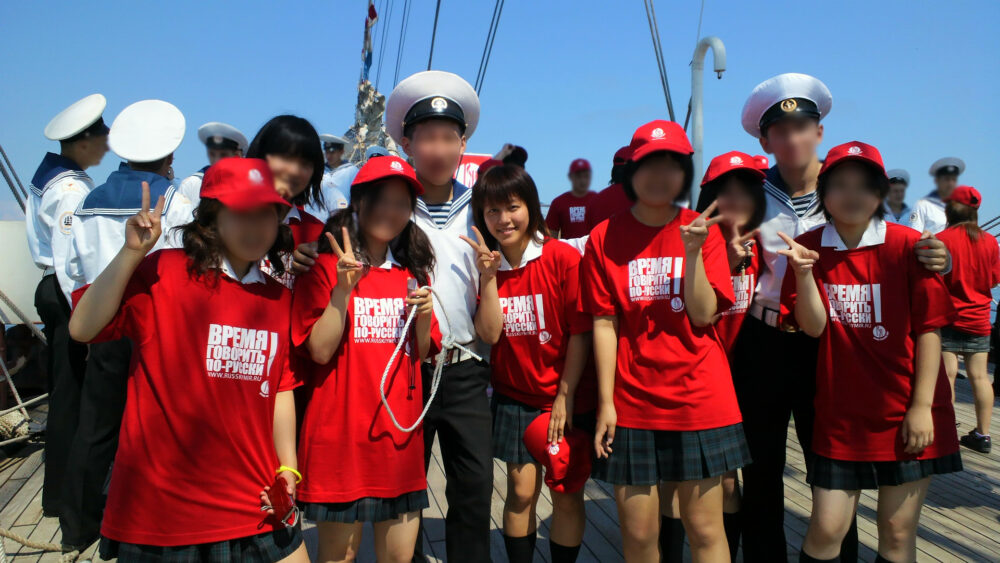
960	521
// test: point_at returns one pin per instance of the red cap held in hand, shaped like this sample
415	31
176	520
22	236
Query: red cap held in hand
855	150
388	167
966	194
567	464
241	184
659	135
730	161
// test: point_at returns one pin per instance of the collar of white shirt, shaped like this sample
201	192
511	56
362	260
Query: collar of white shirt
390	260
293	213
531	252
254	275
874	235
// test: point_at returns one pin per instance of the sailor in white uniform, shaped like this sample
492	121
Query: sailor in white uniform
928	213
896	210
57	188
221	141
337	178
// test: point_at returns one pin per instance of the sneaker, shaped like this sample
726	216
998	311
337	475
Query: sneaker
974	441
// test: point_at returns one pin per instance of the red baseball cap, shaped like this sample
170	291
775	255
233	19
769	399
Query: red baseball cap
855	150
762	162
729	162
966	194
567	464
241	184
579	165
622	155
659	135
388	167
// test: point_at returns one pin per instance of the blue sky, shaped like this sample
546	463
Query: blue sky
566	79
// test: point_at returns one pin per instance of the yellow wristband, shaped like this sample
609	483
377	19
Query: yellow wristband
298	476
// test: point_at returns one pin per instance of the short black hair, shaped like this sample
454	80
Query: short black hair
876	182
685	161
294	136
749	182
500	184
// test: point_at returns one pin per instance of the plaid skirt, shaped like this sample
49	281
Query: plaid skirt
961	342
262	548
367	509
648	457
838	475
511	418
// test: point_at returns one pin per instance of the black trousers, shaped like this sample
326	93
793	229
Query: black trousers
460	418
102	404
774	373
65	362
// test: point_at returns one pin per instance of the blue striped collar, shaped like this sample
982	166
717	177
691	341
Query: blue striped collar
121	194
53	168
461	196
775	186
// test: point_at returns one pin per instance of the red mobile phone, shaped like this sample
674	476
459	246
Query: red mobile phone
282	503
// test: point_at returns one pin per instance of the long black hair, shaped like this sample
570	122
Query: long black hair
499	185
293	136
411	248
684	160
749	183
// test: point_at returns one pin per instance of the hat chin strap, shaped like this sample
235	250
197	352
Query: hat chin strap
447	343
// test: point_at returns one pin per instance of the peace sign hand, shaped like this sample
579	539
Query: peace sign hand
143	229
487	261
349	268
740	247
694	233
800	258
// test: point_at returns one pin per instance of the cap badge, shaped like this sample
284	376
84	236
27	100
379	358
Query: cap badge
553	449
789	105
736	160
439	104
217	139
396	166
255	176
657	133
854	150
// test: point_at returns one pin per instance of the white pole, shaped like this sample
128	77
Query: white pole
697	119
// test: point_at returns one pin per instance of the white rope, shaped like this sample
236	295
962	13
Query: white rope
447	343
24	318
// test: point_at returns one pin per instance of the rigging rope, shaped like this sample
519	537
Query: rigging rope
491	35
434	32
381	48
654	32
402	39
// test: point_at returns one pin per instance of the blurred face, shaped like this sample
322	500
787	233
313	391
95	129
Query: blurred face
248	235
849	198
735	204
507	222
793	142
580	181
215	155
93	150
334	155
659	180
945	184
291	174
897	193
389	214
436	147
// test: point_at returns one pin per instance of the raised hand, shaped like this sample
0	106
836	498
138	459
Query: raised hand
349	268
487	261
932	253
143	229
694	233
800	258
422	299
739	247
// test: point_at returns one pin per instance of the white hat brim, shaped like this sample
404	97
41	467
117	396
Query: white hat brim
426	84
77	117
782	87
947	161
147	131
224	130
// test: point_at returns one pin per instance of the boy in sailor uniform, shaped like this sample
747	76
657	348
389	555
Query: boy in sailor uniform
928	212
221	141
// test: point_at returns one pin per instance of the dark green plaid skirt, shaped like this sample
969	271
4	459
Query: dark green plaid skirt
838	475
511	418
367	509
262	548
648	457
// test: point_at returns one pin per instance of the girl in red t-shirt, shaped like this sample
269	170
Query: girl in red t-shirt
359	461
975	271
654	278
540	348
209	418
884	418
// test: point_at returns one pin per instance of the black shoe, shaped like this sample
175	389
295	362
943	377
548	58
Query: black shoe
973	441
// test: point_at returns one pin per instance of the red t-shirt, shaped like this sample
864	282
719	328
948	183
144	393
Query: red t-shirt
975	271
197	442
349	448
539	302
568	215
744	284
671	375
879	298
609	201
305	228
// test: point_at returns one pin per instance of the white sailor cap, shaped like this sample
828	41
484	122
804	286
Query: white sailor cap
376	150
899	175
786	94
431	94
147	131
328	139
948	165
80	120
215	135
